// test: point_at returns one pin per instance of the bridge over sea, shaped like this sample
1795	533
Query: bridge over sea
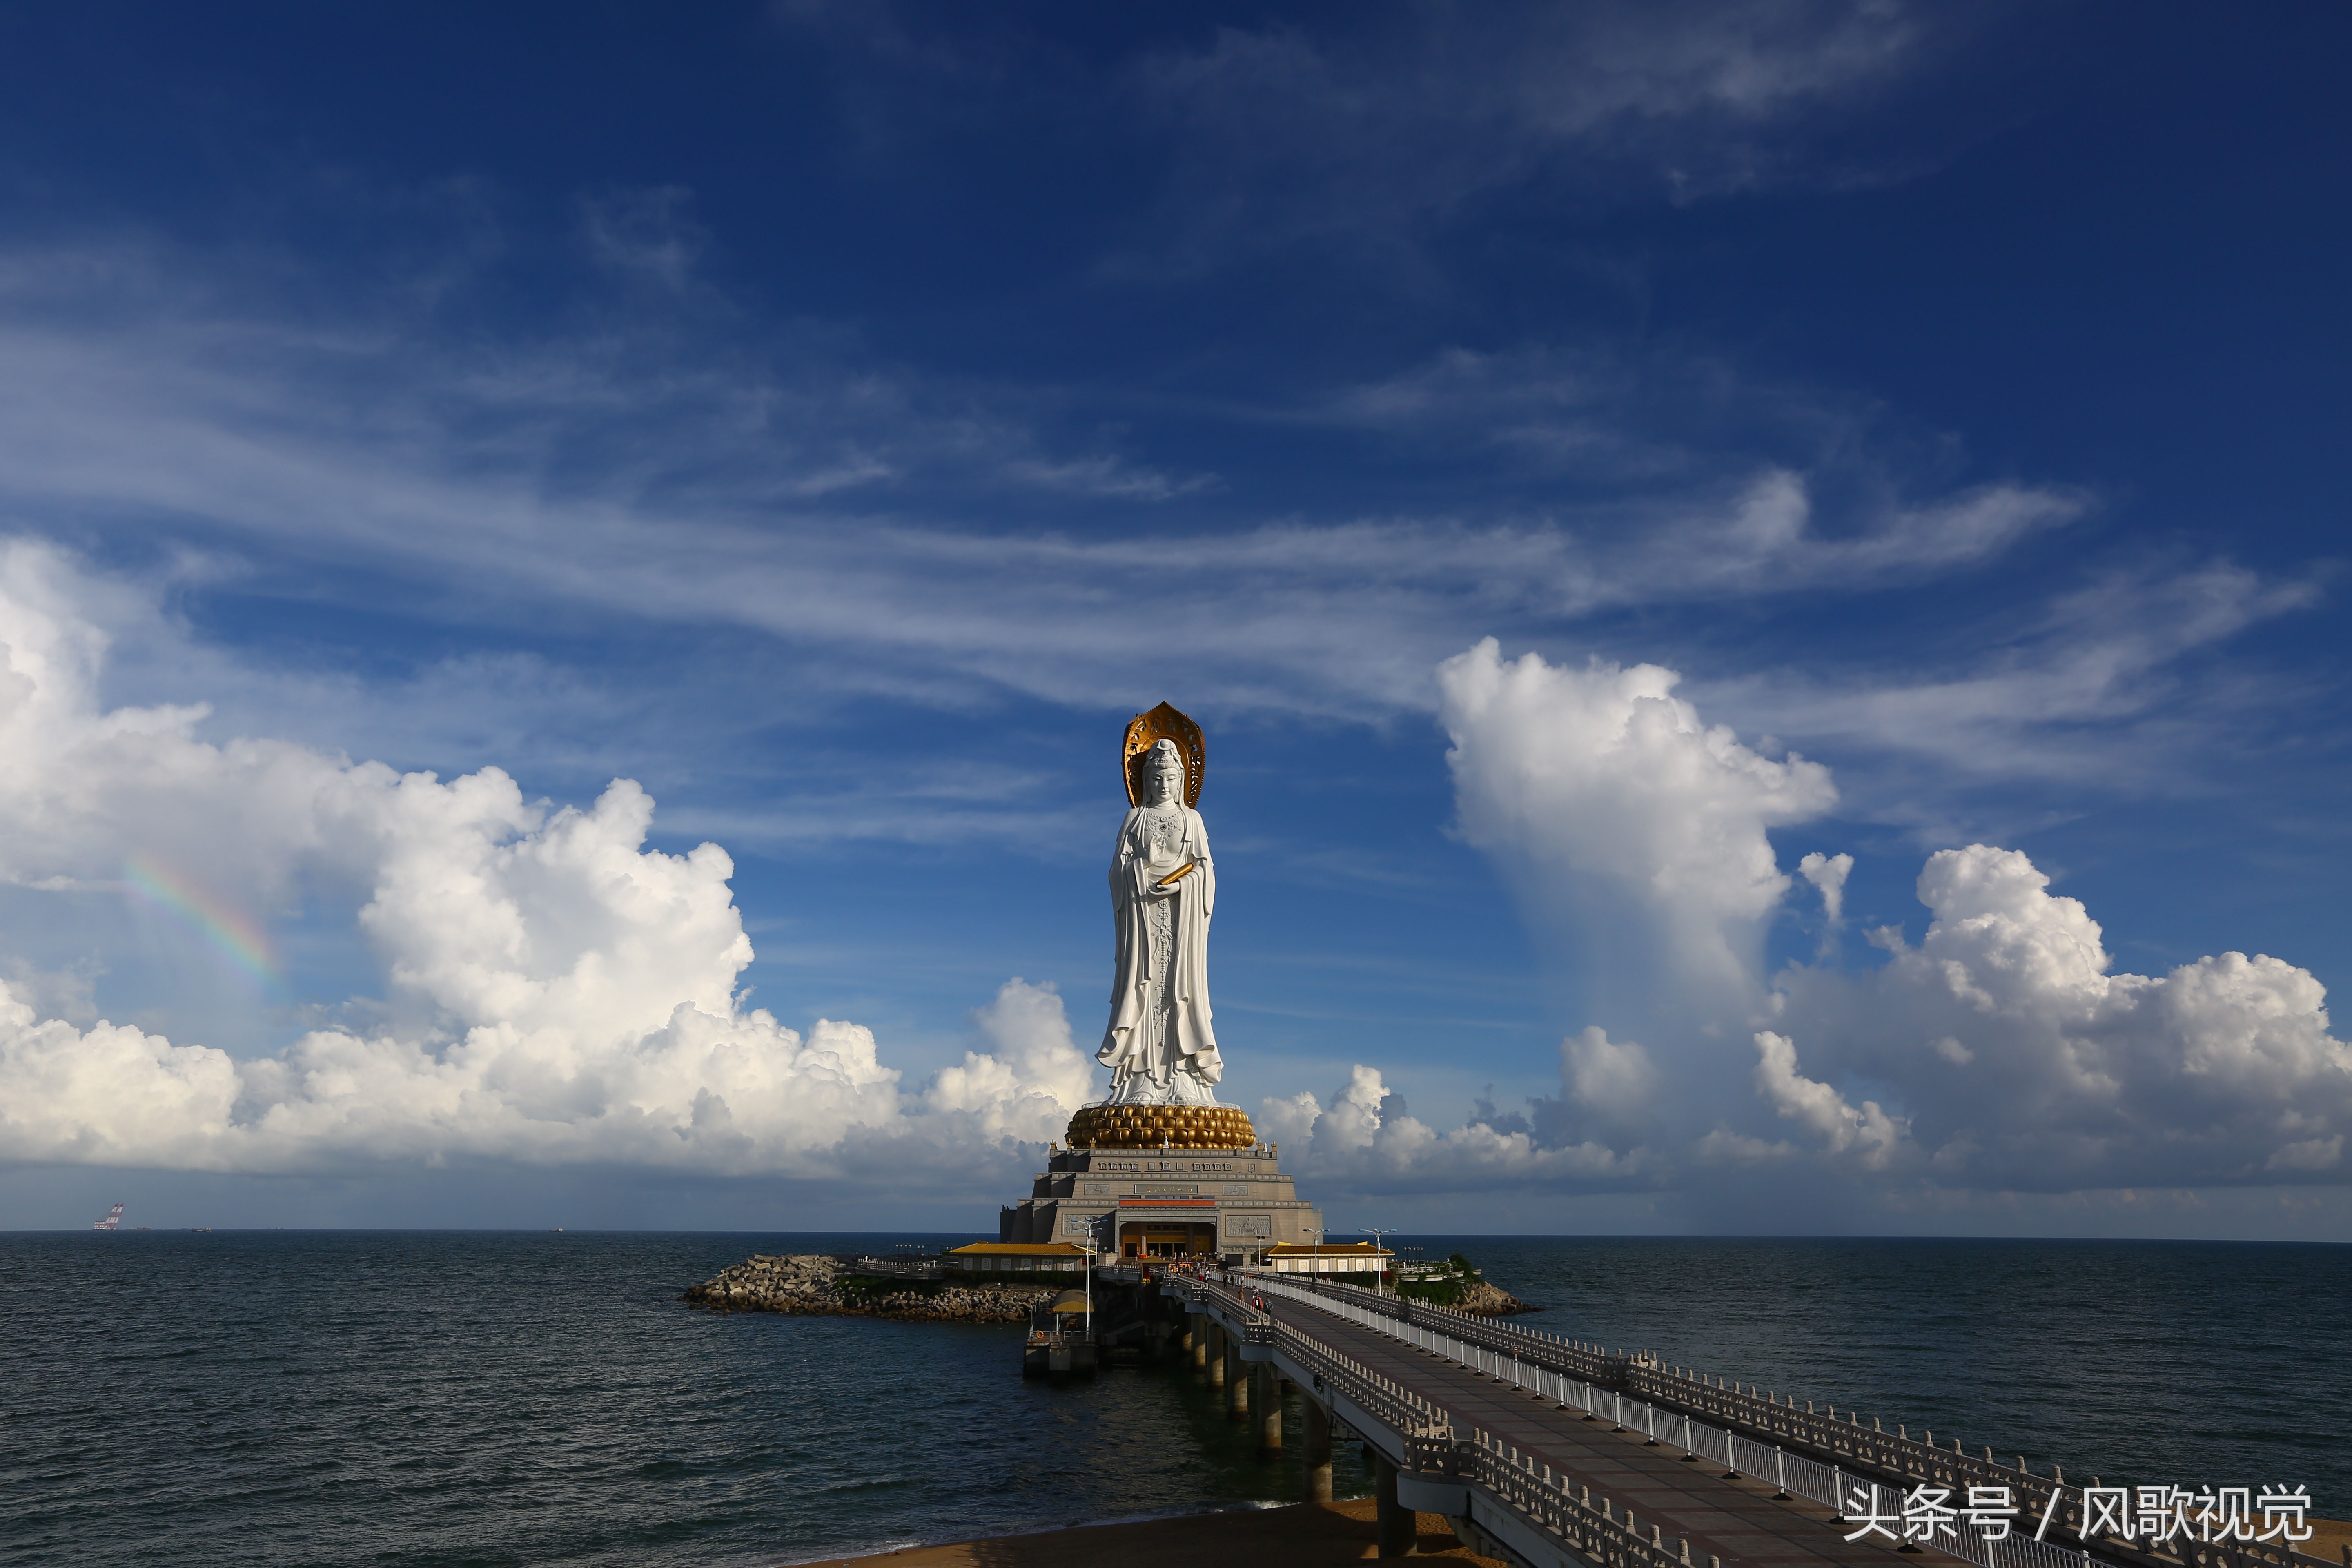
1554	1454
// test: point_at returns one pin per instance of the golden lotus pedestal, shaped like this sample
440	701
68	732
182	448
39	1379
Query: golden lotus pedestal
1162	1126
1151	1181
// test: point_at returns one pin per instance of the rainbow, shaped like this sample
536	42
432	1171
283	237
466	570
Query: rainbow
235	933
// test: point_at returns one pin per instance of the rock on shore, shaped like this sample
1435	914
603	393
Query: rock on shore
814	1284
1456	1284
1485	1300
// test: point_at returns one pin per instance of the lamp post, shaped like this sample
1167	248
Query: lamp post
1376	1232
1089	1247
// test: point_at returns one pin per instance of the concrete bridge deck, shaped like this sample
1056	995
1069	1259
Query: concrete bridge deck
1541	1448
1734	1520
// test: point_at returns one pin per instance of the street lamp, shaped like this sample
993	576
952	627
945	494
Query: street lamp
1376	1232
1090	1248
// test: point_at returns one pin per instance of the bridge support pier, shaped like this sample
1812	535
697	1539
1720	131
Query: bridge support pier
1214	1355
1268	1396
1196	1338
1318	1451
1397	1526
1237	1383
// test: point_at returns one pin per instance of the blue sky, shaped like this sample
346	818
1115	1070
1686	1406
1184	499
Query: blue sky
838	419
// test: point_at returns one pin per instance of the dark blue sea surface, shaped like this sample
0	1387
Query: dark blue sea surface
470	1397
411	1398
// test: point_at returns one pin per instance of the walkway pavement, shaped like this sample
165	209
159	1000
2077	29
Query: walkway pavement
1734	1520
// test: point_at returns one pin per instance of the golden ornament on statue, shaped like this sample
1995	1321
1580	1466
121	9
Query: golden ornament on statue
1163	724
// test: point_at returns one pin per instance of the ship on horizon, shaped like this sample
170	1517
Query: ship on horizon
114	1220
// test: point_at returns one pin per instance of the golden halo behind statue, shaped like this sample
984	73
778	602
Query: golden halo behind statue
1164	723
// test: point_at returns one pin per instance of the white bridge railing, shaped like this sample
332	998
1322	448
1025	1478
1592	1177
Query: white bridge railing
1841	1489
1600	1530
1587	1378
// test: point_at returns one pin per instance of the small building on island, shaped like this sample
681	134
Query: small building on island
1339	1257
1016	1257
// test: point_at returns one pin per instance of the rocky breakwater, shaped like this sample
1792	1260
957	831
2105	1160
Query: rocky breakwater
816	1285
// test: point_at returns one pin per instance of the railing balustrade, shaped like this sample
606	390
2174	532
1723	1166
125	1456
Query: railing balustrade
1759	1434
1604	1534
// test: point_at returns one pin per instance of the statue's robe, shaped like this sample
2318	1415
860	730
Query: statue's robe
1188	1039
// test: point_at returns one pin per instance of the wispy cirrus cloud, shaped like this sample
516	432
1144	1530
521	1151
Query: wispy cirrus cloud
1365	136
2109	687
854	530
813	496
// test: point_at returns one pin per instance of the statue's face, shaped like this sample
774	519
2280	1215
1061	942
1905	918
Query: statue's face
1167	783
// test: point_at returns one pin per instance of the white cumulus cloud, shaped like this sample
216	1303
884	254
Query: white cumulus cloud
2002	1053
1828	873
1631	830
1614	1078
554	990
2025	1059
1821	1110
1363	1140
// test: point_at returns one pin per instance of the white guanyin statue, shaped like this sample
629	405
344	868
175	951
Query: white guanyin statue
1160	1045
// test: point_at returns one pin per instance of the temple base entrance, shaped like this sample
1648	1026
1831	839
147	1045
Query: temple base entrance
1159	1239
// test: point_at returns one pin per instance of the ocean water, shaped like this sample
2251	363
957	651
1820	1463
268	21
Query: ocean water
372	1397
487	1398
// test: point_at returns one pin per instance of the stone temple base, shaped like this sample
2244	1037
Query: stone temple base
1155	1126
1149	1182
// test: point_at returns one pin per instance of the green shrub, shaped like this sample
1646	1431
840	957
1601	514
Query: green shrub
1443	1290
